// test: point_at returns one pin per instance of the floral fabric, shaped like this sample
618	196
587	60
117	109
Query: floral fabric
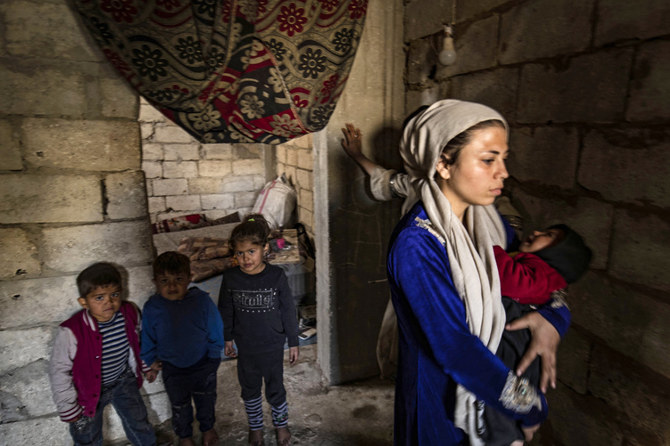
262	71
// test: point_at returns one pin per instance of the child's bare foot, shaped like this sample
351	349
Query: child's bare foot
210	438
256	437
283	436
186	441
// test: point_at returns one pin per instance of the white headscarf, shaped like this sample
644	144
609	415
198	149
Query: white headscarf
469	245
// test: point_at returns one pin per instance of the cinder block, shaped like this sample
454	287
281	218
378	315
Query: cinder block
10	152
147	131
150	114
425	96
140	284
573	360
182	152
84	145
250	151
24	301
590	218
219	201
215	168
291	156
170	133
618	163
623	20
305	159
641	395
496	88
152	151
290	172
207	185
126	195
423	17
628	321
50	199
19	254
152	169
30	27
304	142
650	92
218	151
476	48
421	60
157	204
30	386
238	184
306	199
118	99
534	153
245	199
545	28
640	244
35	431
170	187
71	249
468	10
587	88
21	347
306	217
183	202
248	167
183	169
304	179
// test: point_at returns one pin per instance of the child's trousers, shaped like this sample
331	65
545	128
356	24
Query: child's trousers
127	401
197	382
252	370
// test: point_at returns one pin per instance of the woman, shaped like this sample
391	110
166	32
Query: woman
444	282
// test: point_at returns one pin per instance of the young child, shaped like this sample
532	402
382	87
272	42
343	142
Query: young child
182	335
96	361
258	316
547	261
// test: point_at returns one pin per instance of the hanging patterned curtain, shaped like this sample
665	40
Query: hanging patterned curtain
232	70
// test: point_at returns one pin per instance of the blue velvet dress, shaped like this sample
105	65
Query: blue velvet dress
436	349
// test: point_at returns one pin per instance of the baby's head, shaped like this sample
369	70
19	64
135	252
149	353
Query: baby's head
100	290
562	249
249	243
172	274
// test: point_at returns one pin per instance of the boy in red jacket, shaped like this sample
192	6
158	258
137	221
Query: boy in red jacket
96	361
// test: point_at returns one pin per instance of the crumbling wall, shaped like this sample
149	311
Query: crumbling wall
585	88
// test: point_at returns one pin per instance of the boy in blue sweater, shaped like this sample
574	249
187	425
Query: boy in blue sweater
182	335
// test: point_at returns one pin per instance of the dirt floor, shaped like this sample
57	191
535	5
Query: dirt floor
357	414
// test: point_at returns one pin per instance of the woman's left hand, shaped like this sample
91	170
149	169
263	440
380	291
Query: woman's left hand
544	343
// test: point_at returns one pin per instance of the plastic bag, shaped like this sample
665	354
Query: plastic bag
276	202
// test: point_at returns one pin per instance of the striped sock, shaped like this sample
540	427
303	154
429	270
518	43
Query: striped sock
254	410
280	415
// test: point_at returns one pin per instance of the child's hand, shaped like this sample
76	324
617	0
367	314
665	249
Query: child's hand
293	354
151	375
229	350
157	366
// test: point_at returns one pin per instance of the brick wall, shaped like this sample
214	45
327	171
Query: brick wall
295	159
585	88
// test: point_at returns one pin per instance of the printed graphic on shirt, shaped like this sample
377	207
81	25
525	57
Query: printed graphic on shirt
254	301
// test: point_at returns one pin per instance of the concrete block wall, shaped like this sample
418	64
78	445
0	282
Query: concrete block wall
71	193
185	177
585	88
295	158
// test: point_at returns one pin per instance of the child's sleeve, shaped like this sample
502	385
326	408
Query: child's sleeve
215	331
226	310
148	344
288	312
60	375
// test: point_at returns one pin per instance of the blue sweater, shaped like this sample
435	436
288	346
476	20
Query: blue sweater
181	332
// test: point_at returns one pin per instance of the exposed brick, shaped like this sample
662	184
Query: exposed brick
85	144
126	195
291	156
205	185
30	385
496	88
215	168
177	169
281	153
304	179
149	113
170	187
218	151
181	152
304	142
183	202
416	98
35	431
534	152
245	199
140	284
250	151
573	361
10	152
476	48
306	217
219	201
157	204
590	218
617	164
152	169
118	99
170	133
306	199
290	172
423	17
238	184
152	151
147	131
545	28
622	19
468	10
21	347
650	90
71	249
305	159
421	60
19	254
626	320
640	245
50	199
588	88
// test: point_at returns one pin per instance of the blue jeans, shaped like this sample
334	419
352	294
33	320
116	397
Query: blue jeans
127	401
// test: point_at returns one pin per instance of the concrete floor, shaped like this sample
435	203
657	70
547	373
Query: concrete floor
353	414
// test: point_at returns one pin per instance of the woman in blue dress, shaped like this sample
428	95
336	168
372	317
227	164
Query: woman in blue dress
445	287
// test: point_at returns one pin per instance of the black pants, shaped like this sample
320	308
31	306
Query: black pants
253	369
197	382
502	430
